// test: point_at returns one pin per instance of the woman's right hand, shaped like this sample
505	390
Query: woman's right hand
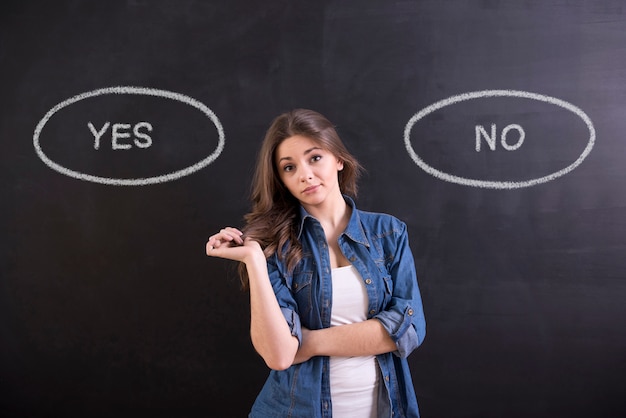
230	243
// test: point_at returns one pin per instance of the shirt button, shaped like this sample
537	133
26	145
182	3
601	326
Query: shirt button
368	281
372	312
352	259
295	286
387	378
410	311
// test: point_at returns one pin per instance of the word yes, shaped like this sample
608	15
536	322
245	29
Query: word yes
491	139
121	132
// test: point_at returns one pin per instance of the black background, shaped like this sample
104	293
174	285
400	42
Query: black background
108	304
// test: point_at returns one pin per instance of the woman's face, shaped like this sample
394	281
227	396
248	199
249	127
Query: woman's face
308	171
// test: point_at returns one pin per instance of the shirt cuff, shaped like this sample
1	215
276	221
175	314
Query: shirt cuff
400	329
293	320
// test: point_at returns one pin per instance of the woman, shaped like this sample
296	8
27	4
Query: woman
334	300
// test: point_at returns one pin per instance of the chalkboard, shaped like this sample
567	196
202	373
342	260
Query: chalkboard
129	129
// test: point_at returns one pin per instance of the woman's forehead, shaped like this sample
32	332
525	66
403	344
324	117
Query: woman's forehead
298	145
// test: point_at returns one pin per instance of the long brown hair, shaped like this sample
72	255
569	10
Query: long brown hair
272	220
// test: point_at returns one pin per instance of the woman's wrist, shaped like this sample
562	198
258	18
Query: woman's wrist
256	257
309	342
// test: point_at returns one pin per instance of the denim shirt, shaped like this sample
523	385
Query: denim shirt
378	247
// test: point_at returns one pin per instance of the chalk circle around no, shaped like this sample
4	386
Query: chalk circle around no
488	94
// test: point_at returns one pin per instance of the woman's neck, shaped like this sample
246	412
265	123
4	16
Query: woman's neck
334	221
333	217
333	213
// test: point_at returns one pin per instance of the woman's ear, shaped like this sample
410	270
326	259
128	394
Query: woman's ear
339	164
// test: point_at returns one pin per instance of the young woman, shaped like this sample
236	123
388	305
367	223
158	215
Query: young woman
335	304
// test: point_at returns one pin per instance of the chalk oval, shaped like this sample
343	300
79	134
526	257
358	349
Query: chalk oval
131	90
490	94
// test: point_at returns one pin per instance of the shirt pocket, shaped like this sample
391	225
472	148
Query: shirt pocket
386	288
301	289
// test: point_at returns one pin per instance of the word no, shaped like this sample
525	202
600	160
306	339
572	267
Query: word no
121	132
491	139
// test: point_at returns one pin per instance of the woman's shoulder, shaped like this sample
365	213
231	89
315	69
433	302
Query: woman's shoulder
378	220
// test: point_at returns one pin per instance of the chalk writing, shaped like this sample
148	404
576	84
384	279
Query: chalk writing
490	139
141	139
121	136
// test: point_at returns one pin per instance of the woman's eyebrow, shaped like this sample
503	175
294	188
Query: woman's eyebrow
305	153
311	150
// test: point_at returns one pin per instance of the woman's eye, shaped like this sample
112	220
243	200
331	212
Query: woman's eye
288	168
316	158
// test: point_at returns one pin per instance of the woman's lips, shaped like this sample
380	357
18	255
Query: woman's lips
310	189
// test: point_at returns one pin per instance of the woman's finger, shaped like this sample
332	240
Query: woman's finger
232	252
231	234
226	236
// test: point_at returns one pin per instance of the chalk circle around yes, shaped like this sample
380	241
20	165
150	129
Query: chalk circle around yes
129	90
488	94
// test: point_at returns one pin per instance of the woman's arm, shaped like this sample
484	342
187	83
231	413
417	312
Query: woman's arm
403	317
399	328
270	333
358	339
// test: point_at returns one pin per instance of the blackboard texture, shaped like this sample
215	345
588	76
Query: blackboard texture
129	130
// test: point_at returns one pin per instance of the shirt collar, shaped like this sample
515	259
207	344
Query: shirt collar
354	230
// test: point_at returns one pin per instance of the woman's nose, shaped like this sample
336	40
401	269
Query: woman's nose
306	174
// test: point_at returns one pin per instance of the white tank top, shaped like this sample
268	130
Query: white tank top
353	380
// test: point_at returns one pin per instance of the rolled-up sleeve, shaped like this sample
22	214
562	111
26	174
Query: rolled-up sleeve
403	318
285	299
